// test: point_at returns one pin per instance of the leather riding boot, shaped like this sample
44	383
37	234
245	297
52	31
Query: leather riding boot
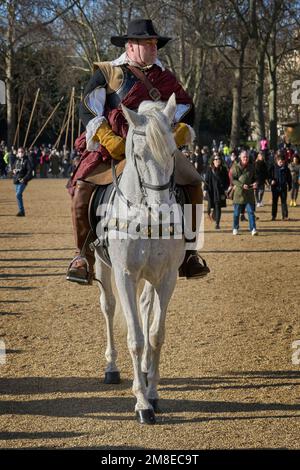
193	265
81	267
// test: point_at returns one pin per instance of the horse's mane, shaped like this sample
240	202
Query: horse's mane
159	136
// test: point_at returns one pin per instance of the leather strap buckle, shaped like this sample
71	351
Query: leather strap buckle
154	94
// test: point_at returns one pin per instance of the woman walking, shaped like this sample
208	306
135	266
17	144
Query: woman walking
261	175
216	184
295	172
22	174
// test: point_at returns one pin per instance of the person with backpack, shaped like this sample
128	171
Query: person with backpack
22	173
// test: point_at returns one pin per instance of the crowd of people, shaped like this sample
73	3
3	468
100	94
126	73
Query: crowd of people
46	161
241	175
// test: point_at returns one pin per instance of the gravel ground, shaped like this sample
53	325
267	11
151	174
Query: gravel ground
228	380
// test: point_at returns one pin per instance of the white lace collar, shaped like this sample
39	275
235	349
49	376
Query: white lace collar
123	59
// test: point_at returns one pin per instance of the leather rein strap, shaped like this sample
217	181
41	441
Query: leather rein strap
154	93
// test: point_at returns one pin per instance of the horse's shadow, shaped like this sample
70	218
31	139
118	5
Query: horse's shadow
120	409
116	408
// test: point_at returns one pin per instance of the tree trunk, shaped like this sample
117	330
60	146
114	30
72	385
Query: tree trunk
199	84
236	113
237	100
273	93
273	109
258	109
10	98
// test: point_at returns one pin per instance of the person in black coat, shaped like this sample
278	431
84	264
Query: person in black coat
22	174
280	179
261	176
216	184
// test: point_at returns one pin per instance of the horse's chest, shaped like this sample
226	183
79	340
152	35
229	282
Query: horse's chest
146	255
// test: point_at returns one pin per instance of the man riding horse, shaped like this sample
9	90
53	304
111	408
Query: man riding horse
137	75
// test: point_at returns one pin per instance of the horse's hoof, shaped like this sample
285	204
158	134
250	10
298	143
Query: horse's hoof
154	403
145	375
145	416
112	377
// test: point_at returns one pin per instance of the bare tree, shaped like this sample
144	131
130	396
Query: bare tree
18	23
283	40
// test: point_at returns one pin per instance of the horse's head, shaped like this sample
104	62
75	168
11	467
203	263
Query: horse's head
150	135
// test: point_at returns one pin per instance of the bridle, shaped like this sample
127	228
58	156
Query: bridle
143	184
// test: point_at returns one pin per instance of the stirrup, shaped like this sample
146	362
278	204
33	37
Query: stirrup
73	274
193	261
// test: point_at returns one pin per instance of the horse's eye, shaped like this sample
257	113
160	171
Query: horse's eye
137	156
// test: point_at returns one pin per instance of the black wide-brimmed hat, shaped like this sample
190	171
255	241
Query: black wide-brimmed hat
140	29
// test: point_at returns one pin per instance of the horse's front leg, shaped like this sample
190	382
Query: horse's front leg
108	305
127	288
146	305
162	298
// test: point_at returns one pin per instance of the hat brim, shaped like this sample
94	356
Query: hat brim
120	41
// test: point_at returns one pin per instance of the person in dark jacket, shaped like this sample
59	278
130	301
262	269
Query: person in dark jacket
280	179
261	175
22	174
216	184
198	159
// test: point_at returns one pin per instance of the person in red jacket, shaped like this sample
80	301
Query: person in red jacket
119	82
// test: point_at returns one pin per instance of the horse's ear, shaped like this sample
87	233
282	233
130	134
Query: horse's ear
170	108
132	117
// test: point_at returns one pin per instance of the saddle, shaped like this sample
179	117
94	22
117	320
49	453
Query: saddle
102	174
102	198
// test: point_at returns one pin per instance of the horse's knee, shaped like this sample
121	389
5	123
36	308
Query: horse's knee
136	347
156	340
108	304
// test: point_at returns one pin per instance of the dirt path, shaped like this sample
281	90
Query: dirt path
227	375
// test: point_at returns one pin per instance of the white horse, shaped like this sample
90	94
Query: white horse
147	179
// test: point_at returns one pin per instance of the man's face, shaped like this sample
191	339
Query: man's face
244	159
142	51
20	153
